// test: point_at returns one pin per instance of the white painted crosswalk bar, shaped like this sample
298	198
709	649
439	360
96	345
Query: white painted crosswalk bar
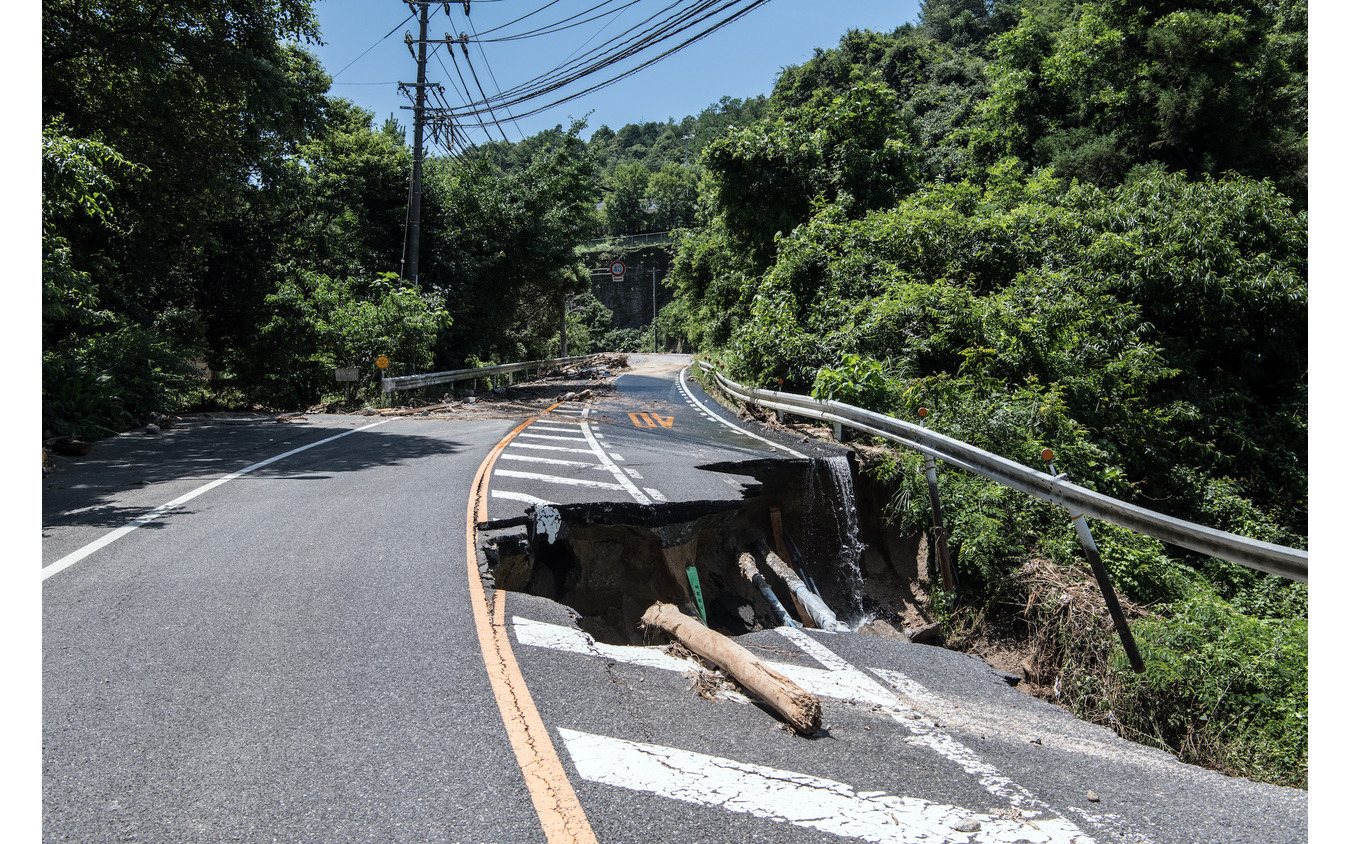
550	437
554	479
520	496
551	461
638	495
798	799
518	444
556	637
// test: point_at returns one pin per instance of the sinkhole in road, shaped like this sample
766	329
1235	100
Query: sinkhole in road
610	561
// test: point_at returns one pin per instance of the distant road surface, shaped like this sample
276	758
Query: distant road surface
299	650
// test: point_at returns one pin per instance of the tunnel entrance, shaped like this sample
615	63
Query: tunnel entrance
610	561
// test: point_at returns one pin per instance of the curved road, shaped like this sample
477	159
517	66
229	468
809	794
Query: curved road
298	650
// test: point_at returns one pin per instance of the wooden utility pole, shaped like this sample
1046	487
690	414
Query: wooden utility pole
419	110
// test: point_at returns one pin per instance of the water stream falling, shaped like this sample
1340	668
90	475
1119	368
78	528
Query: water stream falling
830	495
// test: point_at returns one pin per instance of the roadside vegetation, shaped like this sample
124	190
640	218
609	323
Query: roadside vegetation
1056	225
1079	226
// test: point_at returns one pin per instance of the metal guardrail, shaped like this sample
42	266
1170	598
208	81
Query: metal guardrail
431	379
1291	563
624	241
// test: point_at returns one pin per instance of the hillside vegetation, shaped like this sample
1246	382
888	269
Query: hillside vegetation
1057	224
1065	225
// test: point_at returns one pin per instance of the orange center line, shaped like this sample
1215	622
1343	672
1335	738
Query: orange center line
559	810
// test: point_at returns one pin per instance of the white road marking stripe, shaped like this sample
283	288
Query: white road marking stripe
519	496
839	680
550	437
656	494
554	479
736	428
609	464
518	444
530	458
815	680
795	798
616	456
558	427
925	731
634	473
75	556
556	637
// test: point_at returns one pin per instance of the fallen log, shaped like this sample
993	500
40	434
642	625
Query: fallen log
799	708
410	411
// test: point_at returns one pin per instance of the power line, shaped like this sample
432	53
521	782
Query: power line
495	83
674	24
371	47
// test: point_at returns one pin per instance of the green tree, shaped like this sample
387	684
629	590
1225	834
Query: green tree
673	192
1099	90
318	322
500	248
850	150
625	200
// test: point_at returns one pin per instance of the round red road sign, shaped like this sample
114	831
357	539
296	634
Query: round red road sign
617	269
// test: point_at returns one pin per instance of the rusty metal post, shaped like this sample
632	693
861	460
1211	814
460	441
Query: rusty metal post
939	529
1103	578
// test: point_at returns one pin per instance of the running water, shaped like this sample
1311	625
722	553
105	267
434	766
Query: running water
831	491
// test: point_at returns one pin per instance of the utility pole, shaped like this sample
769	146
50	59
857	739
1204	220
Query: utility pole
419	109
654	350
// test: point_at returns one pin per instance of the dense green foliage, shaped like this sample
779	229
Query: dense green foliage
218	229
1064	225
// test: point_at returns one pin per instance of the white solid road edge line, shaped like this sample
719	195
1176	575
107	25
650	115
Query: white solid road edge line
735	428
798	799
75	556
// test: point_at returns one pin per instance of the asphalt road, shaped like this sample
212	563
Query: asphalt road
295	655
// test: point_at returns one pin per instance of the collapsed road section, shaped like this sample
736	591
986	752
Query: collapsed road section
646	494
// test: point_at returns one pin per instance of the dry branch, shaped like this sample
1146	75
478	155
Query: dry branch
799	708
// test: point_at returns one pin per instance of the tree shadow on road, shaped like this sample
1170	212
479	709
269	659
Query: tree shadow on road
124	478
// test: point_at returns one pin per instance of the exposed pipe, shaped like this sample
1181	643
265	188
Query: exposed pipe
821	614
751	573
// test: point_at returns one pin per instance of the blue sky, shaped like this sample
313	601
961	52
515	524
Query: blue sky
740	60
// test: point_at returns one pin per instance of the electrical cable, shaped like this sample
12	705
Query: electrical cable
371	47
557	26
667	29
634	45
474	73
498	85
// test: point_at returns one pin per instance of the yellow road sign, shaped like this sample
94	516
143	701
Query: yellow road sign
382	362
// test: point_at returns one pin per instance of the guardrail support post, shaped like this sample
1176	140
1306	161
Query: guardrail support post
939	527
1103	579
